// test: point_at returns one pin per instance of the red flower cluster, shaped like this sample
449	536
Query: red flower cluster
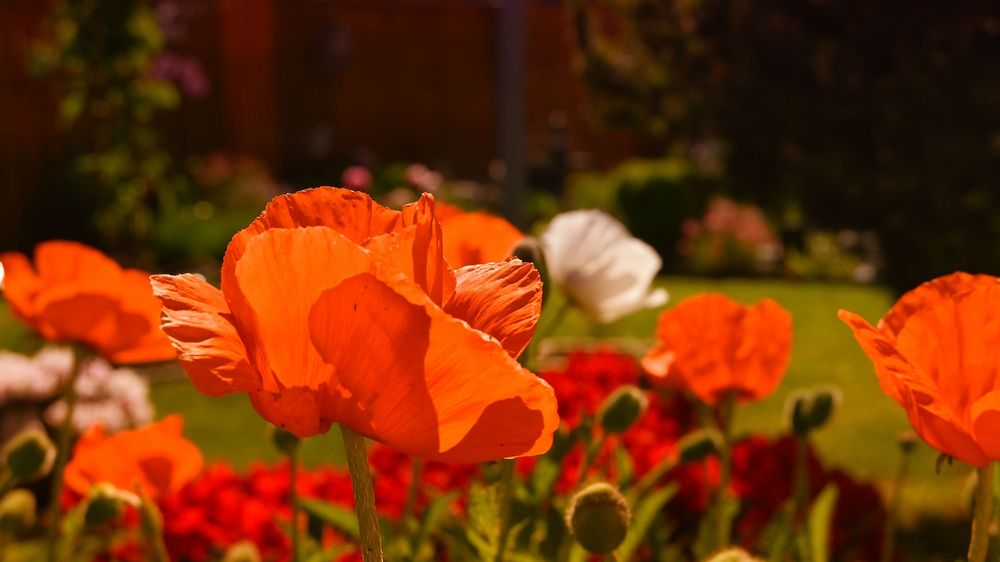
223	507
395	476
587	379
763	476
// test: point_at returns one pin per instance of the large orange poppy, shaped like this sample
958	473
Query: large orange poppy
76	293
712	347
155	457
334	309
475	237
937	353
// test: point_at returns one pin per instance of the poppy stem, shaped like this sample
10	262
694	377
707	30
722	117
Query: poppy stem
293	477
413	493
508	469
983	514
364	494
727	408
62	454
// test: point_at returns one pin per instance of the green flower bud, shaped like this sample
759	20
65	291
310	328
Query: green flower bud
732	555
623	408
283	440
17	512
699	444
29	455
599	517
809	410
907	441
243	551
105	503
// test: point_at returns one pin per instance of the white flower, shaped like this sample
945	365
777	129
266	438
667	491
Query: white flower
604	269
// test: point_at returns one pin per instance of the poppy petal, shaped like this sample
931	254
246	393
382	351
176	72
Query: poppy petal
477	237
929	294
503	300
417	251
457	384
891	367
280	275
985	421
294	409
20	284
353	214
197	320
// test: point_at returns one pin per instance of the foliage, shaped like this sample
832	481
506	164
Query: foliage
866	115
99	54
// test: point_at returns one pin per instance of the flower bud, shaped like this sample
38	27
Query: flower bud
732	555
699	444
29	455
243	551
105	503
809	410
623	408
907	441
599	517
283	440
17	512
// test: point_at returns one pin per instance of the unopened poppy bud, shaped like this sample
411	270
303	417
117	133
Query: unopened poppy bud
808	410
243	551
698	445
528	250
623	408
907	441
29	455
599	517
732	555
17	512
285	441
105	503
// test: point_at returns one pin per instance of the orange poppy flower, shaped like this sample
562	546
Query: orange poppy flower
334	309
712	347
475	237
936	354
76	293
155	457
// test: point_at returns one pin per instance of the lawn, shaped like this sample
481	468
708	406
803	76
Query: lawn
862	438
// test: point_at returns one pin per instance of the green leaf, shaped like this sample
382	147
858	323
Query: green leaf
340	518
721	515
643	515
432	518
820	521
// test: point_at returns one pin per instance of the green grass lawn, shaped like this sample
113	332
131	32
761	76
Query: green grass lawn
862	438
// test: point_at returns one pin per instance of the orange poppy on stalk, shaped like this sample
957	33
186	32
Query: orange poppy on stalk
75	293
712	347
334	309
937	353
155	457
475	237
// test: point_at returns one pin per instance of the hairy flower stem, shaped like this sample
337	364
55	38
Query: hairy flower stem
364	494
726	410
293	493
507	474
892	520
983	514
62	454
589	457
413	492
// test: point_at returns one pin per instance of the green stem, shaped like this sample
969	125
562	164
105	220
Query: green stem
364	494
413	493
508	470
62	454
892	519
983	514
528	358
800	486
650	479
726	410
293	493
589	457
